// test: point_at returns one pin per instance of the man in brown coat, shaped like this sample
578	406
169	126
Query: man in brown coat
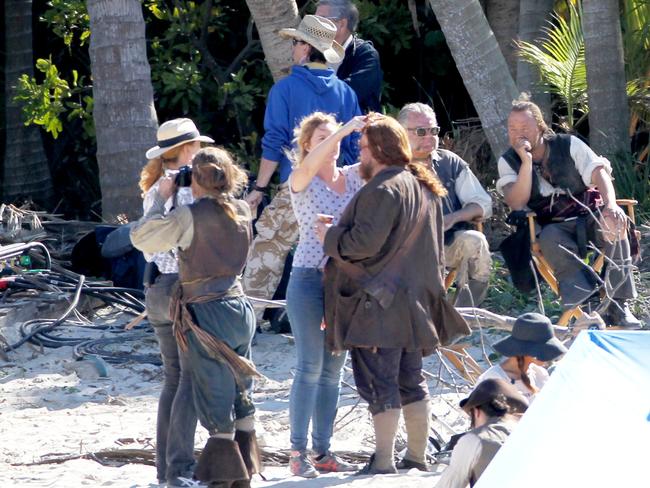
384	293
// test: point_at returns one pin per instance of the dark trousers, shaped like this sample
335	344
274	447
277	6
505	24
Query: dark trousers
388	378
175	426
577	282
218	399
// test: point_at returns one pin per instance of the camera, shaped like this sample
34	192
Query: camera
184	176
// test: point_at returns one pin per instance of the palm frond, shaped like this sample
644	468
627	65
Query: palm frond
560	59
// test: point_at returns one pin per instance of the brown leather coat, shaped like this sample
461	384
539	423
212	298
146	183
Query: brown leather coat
376	220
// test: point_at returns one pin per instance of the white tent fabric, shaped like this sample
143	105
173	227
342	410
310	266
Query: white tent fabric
590	425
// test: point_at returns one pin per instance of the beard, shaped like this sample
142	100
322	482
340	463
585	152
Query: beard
365	171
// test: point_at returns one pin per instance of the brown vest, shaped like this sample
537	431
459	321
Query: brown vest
216	257
492	436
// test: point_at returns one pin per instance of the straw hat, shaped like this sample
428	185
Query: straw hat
495	389
318	32
174	133
532	335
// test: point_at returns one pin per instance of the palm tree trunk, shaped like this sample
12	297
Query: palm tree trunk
124	113
609	115
270	16
481	65
26	170
503	17
533	15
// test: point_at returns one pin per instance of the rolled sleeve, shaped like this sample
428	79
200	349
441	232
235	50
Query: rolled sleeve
157	233
587	161
507	175
469	190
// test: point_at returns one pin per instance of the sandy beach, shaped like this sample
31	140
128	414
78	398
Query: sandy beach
54	407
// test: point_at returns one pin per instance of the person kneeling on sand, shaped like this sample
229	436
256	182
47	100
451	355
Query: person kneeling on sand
493	408
213	320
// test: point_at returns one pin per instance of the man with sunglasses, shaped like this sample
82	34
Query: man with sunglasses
466	250
360	67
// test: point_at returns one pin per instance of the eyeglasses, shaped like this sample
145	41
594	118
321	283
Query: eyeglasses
422	131
295	42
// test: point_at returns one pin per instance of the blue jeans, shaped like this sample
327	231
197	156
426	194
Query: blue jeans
315	388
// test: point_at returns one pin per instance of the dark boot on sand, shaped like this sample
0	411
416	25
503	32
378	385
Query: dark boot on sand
221	465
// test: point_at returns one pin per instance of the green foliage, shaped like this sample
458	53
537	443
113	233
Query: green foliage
560	58
503	298
45	103
68	18
388	23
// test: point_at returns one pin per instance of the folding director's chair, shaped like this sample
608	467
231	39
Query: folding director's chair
546	271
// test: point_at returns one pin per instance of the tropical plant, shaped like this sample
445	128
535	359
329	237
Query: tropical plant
46	103
560	58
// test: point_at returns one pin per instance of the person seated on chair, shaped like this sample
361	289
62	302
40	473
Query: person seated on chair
547	172
466	250
494	408
530	345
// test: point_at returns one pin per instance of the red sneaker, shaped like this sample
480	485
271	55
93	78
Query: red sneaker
331	463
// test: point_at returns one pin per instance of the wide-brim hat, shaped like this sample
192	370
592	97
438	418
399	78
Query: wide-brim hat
495	389
174	133
318	32
532	335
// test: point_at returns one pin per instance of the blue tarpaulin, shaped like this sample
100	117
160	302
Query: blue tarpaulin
590	425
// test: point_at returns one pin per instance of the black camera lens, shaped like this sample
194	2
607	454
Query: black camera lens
184	176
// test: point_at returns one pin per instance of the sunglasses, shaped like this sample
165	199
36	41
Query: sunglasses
295	42
423	131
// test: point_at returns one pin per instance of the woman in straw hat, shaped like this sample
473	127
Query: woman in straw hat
213	320
311	86
528	348
177	142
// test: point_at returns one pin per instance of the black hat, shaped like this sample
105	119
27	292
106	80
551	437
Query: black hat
532	335
495	389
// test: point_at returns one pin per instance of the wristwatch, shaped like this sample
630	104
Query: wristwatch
261	189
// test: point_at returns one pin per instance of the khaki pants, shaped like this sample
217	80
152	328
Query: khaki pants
277	231
469	255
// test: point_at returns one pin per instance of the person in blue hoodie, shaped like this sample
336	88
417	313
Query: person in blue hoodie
311	86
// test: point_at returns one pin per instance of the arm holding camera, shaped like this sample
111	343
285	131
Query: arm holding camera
156	232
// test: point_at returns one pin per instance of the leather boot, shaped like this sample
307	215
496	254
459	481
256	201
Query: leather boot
471	295
221	464
250	451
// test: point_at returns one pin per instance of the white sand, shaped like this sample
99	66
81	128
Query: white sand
52	406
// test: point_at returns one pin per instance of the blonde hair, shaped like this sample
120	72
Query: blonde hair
214	170
303	133
524	104
389	145
154	169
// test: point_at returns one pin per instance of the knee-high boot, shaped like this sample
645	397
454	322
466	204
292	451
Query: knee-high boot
221	464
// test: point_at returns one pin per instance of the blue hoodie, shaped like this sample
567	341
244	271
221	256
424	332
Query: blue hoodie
301	93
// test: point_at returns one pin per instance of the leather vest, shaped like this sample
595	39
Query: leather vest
448	168
561	169
492	436
216	257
